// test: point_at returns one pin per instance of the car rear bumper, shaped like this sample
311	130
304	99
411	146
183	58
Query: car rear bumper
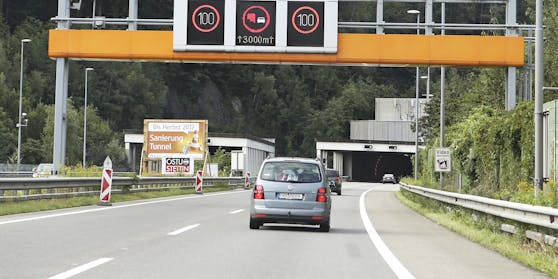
291	219
290	216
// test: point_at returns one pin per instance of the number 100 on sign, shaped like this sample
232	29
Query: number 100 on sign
305	24
206	21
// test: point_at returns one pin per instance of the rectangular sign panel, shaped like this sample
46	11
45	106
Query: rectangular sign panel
177	166
206	19
175	138
255	23
442	160
305	24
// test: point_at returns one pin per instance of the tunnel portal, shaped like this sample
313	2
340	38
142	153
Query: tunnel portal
371	166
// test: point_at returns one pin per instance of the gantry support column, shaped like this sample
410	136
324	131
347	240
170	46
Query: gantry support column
60	105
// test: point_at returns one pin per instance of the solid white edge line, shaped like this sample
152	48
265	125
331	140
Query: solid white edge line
236	211
115	207
382	248
82	268
179	231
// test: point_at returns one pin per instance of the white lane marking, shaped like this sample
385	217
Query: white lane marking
75	271
395	265
236	211
116	207
179	231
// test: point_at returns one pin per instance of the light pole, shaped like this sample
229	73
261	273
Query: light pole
20	103
416	12
539	81
85	116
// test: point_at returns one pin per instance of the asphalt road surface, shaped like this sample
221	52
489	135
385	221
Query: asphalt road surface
373	235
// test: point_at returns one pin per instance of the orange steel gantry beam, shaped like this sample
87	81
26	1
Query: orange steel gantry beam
353	49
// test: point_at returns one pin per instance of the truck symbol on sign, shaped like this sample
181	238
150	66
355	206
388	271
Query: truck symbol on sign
251	17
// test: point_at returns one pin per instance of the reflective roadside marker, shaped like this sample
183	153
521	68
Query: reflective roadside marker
106	183
247	180
199	182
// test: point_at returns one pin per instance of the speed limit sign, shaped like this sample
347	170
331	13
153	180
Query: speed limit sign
206	22
305	24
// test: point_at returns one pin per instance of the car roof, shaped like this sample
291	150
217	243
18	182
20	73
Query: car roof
293	159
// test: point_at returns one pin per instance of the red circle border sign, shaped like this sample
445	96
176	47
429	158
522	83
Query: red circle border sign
268	19
216	23
294	17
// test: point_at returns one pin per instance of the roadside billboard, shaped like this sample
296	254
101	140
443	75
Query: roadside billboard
175	138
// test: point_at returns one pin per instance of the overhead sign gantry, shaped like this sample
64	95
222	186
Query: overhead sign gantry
272	32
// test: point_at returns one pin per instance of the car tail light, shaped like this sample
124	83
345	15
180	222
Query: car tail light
321	195
259	192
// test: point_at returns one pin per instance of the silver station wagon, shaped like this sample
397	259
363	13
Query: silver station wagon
291	191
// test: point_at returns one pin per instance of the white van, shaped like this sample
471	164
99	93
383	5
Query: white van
43	170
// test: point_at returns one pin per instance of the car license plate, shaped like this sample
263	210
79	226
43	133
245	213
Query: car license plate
291	196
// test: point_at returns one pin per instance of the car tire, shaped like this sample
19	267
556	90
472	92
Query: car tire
254	225
324	227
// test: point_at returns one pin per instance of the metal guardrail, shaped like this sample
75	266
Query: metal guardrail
529	214
14	189
13	174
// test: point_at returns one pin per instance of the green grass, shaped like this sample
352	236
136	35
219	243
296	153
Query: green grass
539	257
10	207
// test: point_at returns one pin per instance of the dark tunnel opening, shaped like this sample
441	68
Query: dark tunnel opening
371	166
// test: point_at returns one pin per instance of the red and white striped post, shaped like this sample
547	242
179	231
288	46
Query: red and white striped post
106	183
199	182
247	180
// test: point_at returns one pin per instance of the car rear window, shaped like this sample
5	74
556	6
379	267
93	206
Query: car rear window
291	172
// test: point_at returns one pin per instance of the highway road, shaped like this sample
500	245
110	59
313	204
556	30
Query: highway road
373	235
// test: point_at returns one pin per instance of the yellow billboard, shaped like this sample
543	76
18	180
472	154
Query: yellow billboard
175	138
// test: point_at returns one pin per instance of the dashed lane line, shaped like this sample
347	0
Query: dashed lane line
179	231
236	211
82	268
114	207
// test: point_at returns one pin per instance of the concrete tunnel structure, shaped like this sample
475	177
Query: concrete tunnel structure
376	147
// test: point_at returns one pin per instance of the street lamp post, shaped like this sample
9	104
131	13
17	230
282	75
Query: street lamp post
539	81
85	117
20	103
417	105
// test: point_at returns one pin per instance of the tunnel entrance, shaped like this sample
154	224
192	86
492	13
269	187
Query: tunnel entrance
371	166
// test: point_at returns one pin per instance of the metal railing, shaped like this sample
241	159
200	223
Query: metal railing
102	21
17	189
528	214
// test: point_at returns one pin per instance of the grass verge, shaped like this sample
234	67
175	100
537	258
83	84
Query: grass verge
9	207
539	257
